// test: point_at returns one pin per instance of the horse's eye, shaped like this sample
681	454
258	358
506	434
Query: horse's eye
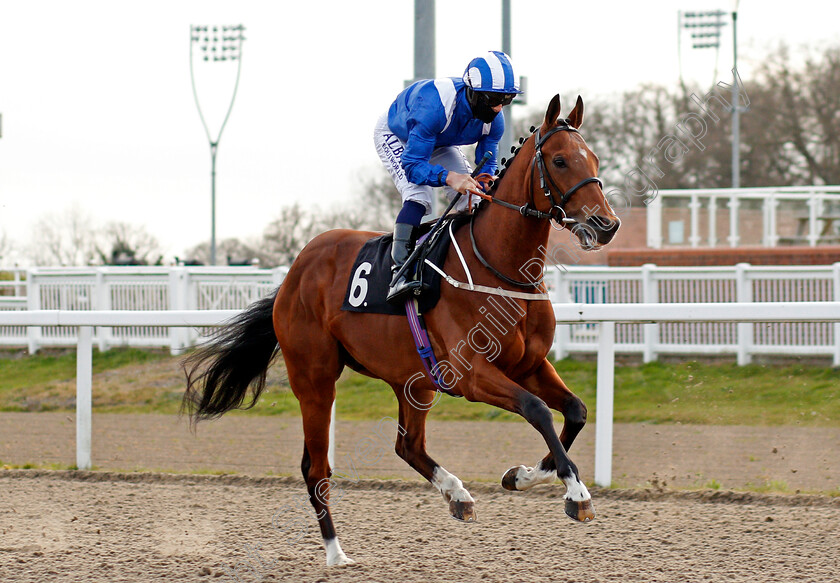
559	162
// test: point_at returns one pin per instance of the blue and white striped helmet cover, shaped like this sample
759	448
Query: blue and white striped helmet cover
492	72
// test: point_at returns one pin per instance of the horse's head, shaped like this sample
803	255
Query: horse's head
564	178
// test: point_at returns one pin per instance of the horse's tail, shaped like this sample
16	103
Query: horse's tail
236	358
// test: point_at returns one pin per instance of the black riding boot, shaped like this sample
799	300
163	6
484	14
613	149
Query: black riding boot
403	245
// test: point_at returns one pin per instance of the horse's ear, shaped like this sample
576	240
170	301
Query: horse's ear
576	116
553	112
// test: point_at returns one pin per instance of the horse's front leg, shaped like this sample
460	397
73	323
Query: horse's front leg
493	388
415	403
546	384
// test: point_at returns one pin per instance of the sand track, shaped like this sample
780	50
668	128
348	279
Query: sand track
105	526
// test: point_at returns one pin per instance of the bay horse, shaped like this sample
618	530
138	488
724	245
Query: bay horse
497	358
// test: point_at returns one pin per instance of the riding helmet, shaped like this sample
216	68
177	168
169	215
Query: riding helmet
492	72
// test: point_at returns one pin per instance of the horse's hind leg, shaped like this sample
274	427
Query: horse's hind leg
411	447
313	383
547	385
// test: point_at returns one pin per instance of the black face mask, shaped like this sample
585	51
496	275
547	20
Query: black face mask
480	109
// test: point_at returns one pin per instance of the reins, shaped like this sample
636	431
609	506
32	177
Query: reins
496	272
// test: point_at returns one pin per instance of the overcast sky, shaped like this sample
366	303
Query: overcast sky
98	111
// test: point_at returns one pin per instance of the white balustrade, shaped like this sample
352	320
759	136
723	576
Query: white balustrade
193	288
131	288
818	221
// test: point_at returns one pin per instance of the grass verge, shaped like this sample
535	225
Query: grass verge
144	381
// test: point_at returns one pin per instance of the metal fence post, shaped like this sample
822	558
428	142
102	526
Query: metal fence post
563	332
102	301
694	207
33	302
331	446
654	223
743	293
20	286
178	301
84	396
712	221
835	272
604	405
815	205
650	295
734	205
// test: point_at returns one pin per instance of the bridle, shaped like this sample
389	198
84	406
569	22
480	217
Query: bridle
557	212
529	209
538	161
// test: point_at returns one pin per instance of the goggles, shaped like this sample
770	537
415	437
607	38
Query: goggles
493	99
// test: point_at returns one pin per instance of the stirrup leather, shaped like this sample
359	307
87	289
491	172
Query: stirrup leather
401	250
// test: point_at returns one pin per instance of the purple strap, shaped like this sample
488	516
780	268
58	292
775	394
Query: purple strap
424	346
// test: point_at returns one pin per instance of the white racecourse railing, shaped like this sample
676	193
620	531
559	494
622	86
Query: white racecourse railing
682	285
208	288
82	323
132	288
604	316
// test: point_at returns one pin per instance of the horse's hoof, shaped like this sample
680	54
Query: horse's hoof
462	510
580	511
509	479
340	561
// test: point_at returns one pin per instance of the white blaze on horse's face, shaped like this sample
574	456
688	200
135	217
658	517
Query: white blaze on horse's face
582	156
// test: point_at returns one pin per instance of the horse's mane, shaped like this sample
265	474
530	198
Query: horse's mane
506	162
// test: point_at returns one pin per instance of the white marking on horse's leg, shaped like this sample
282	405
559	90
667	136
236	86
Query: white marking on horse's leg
527	478
335	556
450	486
575	489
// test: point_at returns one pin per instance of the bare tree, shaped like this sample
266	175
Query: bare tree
294	227
800	114
630	131
6	248
286	235
378	200
121	243
66	238
235	251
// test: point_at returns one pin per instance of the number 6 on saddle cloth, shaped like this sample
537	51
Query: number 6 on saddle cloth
367	288
371	273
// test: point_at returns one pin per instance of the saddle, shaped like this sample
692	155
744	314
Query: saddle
370	277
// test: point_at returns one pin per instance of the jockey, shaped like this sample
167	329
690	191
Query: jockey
419	139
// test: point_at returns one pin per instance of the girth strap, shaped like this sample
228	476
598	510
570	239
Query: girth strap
424	346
